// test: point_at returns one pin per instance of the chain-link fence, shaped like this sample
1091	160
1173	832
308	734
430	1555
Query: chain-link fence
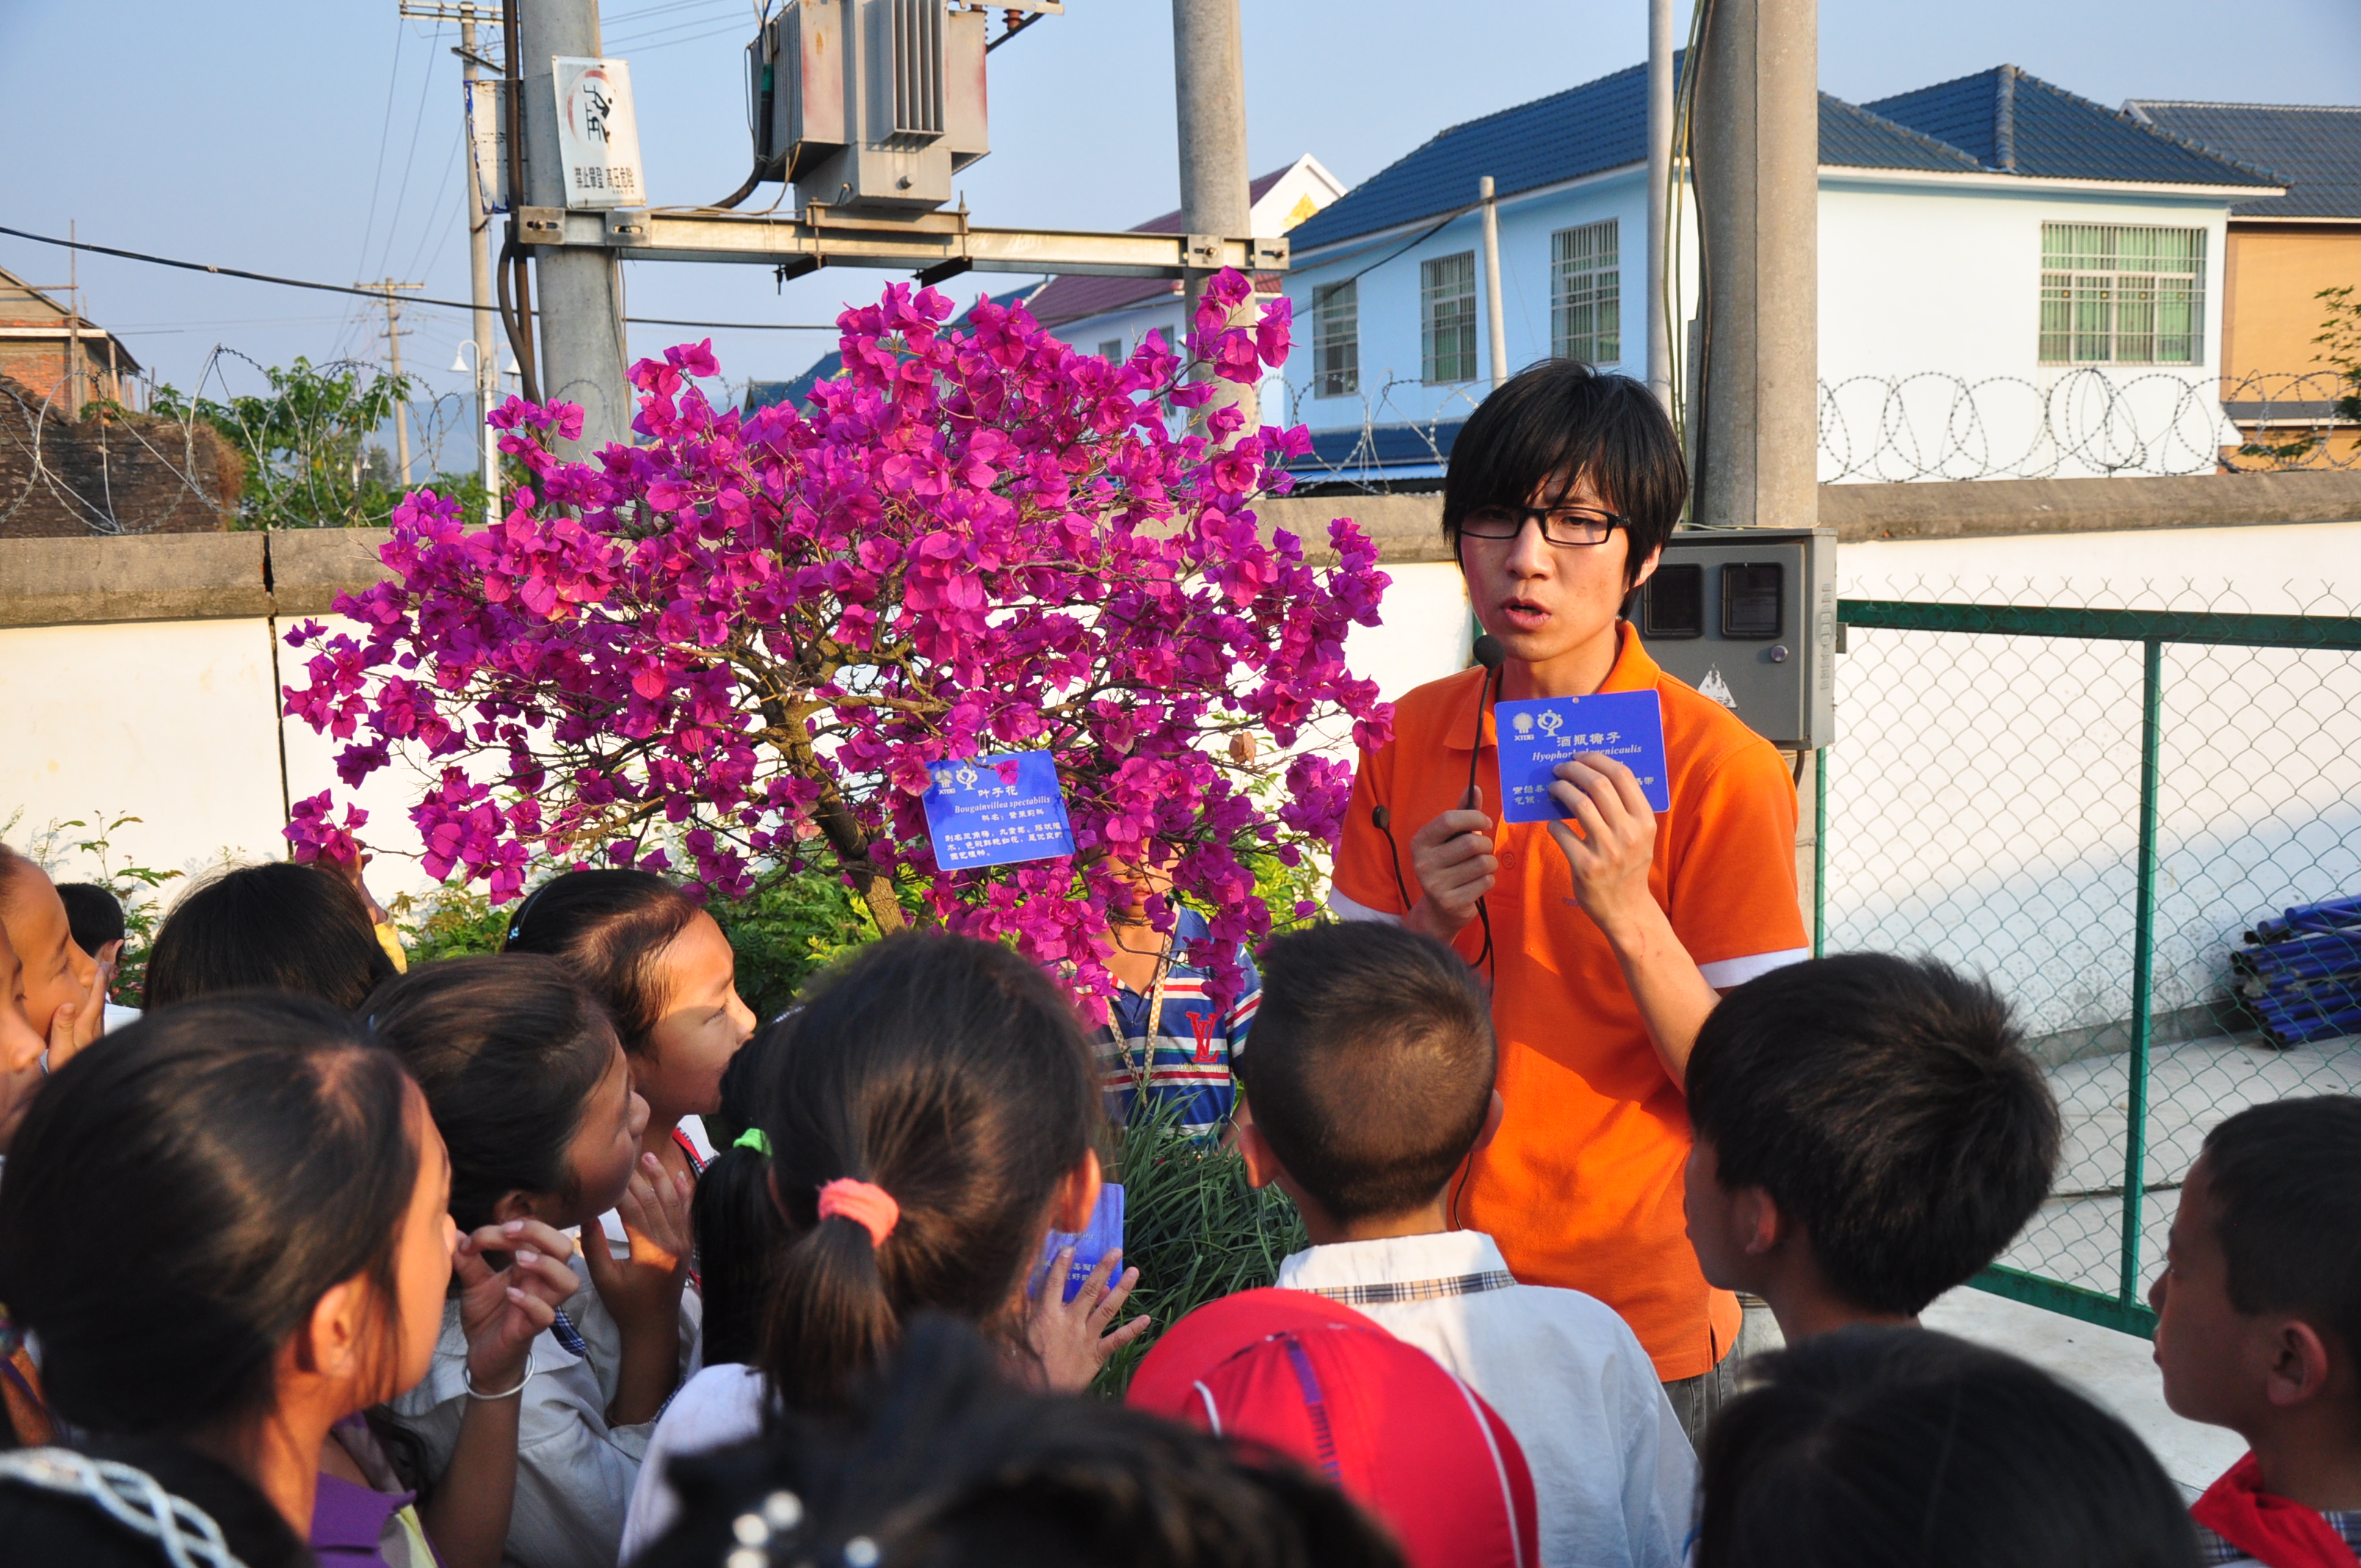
2138	820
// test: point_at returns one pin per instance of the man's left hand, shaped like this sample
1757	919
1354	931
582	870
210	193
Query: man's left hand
1611	856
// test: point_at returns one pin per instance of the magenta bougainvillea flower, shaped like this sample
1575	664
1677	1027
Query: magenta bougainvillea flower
742	643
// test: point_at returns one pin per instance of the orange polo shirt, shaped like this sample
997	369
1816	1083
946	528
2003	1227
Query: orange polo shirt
1582	1185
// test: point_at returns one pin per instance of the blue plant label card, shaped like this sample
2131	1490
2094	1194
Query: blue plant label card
1102	1236
1538	734
995	811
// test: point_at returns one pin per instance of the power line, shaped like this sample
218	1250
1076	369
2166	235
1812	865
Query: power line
378	295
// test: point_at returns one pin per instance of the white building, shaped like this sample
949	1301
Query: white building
2014	283
1109	316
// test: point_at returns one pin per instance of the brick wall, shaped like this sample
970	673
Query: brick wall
125	474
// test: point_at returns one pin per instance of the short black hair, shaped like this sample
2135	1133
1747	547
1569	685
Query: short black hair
93	915
277	926
1891	1447
2285	1179
1370	1067
1888	1105
943	1462
1559	419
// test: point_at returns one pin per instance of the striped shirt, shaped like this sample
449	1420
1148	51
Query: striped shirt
1174	1043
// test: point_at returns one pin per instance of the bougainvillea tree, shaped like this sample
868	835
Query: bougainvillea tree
742	644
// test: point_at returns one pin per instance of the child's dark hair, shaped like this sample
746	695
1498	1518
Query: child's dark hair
277	926
610	927
1893	1447
185	1192
942	1463
954	1075
1888	1106
1370	1070
739	1237
1560	420
508	1048
2285	1179
94	916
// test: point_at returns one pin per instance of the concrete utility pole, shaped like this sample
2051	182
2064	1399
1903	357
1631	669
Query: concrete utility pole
578	292
1494	323
389	288
1659	183
480	280
1757	172
1209	79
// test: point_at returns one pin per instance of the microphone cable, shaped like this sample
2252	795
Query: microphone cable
1491	656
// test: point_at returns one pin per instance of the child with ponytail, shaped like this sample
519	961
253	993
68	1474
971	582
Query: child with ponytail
530	1086
226	1227
929	1112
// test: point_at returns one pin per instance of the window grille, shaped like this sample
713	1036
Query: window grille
1448	302
1585	294
2111	294
1111	350
1337	339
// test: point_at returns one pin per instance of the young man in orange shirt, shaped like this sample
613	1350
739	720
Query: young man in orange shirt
1610	944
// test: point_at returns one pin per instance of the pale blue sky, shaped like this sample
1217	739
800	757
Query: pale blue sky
320	139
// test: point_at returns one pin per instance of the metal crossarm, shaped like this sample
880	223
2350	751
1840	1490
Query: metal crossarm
936	244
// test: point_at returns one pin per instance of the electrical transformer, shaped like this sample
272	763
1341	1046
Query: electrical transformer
869	106
1748	616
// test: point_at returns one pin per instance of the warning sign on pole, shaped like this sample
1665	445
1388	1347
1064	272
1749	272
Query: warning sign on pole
598	135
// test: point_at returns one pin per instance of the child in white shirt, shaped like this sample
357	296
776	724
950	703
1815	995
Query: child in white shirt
1367	1086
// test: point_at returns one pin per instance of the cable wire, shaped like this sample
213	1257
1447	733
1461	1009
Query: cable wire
379	293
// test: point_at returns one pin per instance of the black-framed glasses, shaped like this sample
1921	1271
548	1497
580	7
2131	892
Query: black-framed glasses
1560	525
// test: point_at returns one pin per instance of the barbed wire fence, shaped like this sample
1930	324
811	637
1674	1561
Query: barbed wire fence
2117	802
1932	425
117	469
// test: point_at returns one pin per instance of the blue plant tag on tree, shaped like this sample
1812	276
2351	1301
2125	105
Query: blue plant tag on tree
1102	1236
1538	734
995	811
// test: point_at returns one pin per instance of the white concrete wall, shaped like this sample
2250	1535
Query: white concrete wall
173	722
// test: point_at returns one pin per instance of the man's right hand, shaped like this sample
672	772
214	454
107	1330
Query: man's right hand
1451	858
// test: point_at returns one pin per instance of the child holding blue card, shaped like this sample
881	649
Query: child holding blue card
1633	875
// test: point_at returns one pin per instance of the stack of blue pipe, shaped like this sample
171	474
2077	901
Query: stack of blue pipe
2301	975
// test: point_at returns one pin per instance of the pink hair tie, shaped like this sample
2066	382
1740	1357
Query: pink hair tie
865	1204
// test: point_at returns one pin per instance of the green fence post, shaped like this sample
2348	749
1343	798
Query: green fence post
2142	967
1819	851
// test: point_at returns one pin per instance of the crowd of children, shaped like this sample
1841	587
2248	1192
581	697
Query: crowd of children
560	1257
321	1261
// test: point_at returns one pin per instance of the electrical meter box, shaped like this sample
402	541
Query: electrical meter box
1748	616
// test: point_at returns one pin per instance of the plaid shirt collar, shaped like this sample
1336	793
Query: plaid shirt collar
1399	1268
2216	1552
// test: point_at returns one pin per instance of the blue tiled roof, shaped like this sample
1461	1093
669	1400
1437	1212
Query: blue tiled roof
1852	137
2315	151
1956	126
2019	123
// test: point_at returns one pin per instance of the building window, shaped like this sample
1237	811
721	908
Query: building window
2116	295
1337	339
1447	309
1111	350
1586	295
